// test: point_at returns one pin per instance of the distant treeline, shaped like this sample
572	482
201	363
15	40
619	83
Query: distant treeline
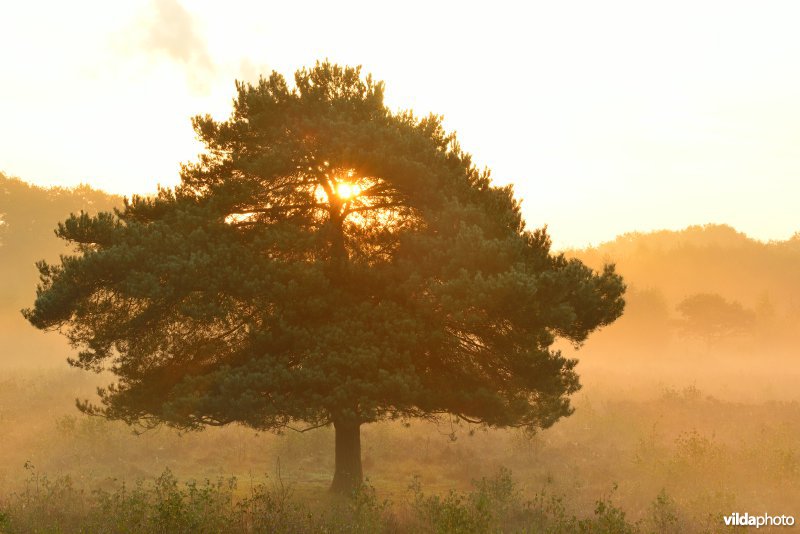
28	219
708	282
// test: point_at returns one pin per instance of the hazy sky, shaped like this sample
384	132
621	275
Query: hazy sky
608	117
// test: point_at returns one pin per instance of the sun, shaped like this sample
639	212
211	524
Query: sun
347	191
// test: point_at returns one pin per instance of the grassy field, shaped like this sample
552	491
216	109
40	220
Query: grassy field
665	459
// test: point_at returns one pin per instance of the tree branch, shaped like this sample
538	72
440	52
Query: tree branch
314	427
373	207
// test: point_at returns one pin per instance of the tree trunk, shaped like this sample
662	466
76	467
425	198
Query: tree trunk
348	474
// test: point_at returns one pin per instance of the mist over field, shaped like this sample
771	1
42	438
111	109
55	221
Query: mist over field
688	412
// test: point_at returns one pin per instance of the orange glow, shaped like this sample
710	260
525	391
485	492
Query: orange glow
347	191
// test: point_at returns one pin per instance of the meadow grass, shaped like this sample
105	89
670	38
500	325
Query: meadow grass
676	461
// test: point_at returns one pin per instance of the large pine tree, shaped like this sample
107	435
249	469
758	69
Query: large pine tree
325	261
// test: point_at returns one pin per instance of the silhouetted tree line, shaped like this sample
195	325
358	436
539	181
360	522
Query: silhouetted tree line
709	283
28	217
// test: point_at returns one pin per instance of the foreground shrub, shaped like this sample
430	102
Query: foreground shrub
163	505
496	505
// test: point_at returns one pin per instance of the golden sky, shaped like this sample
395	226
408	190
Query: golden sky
607	116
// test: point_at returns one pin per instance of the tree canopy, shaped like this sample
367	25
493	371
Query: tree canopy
324	261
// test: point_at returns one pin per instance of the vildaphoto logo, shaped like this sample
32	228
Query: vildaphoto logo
764	520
